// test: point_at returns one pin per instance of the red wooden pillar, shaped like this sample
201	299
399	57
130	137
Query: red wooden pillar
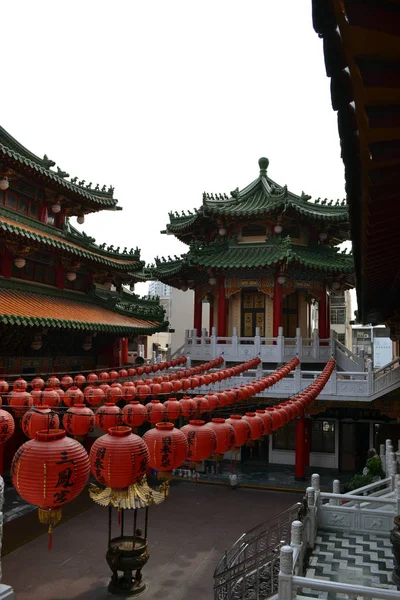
300	433
277	307
322	313
221	307
307	442
124	350
197	311
60	277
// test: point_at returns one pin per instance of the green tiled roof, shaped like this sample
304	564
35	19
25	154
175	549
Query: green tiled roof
68	240
261	197
221	255
12	149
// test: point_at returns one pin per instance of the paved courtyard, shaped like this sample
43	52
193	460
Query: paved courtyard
187	536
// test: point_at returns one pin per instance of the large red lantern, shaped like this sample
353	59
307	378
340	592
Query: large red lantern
92	378
188	406
50	471
104	376
134	414
143	391
51	397
113	374
256	425
202	404
53	382
173	409
20	385
242	429
168	447
67	381
225	435
119	458
155	411
128	391
94	395
115	393
79	380
202	441
38	418
20	401
4	386
79	420
213	401
73	395
108	415
7	425
277	417
266	418
37	383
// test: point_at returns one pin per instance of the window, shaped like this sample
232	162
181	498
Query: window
253	230
21	204
323	436
35	271
338	316
285	437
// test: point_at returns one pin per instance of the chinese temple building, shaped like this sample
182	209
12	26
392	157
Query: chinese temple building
63	306
263	258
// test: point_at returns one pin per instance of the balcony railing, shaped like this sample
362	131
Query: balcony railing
271	350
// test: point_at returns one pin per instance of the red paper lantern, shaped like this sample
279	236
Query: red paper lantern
173	409
223	398
131	372
202	441
185	383
256	425
242	429
20	385
188	406
53	382
94	395
123	373
79	380
50	471
92	378
3	386
38	418
155	412
108	415
79	420
115	394
134	414
67	381
168	447
267	420
277	420
37	383
202	405
128	391
20	401
155	389
73	395
7	425
51	397
113	374
225	435
119	458
104	376
143	391
213	401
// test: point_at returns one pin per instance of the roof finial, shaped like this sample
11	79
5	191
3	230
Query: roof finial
263	164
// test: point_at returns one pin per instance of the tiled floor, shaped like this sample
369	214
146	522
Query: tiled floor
351	558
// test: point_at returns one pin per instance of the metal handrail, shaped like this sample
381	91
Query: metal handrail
251	552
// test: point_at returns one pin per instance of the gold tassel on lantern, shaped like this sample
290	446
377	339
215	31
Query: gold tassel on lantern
50	517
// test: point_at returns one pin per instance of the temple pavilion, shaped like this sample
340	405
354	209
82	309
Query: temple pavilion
263	257
65	301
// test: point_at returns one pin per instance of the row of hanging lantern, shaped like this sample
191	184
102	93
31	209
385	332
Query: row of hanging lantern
79	380
79	419
53	395
52	469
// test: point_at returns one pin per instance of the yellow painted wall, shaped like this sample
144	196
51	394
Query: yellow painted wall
269	316
234	312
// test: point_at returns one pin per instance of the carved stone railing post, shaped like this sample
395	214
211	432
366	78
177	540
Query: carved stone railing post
299	343
312	516
370	379
382	455
398	496
257	342
335	490
296	532
315	344
280	345
297	379
214	342
285	585
315	482
235	342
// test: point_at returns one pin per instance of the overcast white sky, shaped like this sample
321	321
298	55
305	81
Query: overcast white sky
167	99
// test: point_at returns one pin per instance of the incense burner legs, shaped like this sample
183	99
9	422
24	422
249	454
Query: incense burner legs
127	554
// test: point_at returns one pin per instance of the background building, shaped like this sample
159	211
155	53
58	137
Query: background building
374	343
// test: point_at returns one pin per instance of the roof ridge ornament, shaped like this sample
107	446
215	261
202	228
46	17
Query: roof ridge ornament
263	164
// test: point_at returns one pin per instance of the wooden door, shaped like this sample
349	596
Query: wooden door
290	315
253	313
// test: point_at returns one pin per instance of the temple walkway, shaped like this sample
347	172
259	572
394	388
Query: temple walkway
187	536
